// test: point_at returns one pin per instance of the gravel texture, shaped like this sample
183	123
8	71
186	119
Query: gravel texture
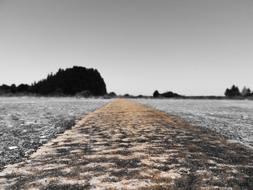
232	118
126	145
27	123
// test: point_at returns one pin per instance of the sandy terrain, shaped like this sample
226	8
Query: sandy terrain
126	145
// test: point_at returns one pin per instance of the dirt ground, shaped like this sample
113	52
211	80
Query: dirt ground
126	145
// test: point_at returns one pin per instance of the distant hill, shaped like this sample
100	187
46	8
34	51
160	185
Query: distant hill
68	81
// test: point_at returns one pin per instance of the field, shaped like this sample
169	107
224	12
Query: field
27	123
232	118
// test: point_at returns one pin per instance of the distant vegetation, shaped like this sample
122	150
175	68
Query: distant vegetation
234	92
72	81
168	94
84	82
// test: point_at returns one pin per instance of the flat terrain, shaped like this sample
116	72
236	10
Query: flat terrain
126	145
231	118
26	123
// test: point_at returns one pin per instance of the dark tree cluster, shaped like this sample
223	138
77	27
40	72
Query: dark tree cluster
65	82
168	94
22	88
232	92
235	92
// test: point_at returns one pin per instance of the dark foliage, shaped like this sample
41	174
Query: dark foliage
13	88
5	88
156	94
112	94
84	93
168	94
65	82
246	92
71	81
23	88
140	96
232	92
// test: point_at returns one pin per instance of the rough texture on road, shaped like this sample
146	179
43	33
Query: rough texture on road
126	145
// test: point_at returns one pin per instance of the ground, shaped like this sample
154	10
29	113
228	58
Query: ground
126	145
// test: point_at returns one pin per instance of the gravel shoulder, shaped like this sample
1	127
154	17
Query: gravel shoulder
231	118
126	145
27	123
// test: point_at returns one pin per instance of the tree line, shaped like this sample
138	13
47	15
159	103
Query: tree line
88	82
70	81
234	91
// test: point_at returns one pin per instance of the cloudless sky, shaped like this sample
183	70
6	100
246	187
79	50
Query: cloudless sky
192	47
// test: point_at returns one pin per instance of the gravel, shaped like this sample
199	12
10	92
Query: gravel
28	122
232	118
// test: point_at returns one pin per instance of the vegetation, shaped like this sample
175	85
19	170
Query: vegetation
84	82
71	81
234	92
168	94
156	94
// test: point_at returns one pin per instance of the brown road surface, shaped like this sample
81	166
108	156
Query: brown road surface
126	145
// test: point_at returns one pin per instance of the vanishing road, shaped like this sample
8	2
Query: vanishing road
126	145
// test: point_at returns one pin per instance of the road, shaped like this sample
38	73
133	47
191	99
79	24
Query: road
126	145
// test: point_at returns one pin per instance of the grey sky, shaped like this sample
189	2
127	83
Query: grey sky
193	47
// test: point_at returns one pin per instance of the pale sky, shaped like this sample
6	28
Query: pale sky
192	47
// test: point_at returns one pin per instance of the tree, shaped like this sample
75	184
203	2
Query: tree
23	88
71	81
170	94
156	94
13	88
246	91
228	92
5	89
233	92
68	81
112	94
